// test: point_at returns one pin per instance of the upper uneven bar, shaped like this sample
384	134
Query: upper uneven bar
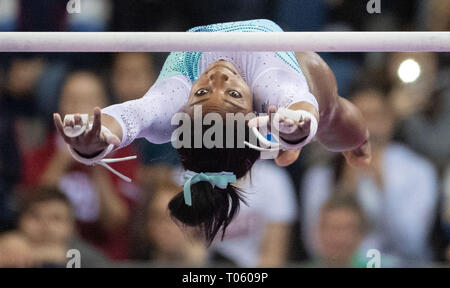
224	41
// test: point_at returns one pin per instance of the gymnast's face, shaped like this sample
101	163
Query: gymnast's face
221	89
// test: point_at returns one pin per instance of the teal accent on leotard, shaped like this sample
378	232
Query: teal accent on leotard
186	63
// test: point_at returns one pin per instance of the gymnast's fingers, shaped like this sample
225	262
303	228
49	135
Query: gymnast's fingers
68	122
272	109
262	120
60	127
305	125
97	124
112	139
258	121
287	157
287	126
77	120
272	115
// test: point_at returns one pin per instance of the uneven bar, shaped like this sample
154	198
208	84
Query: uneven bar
224	41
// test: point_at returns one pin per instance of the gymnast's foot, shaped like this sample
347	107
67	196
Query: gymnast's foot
359	157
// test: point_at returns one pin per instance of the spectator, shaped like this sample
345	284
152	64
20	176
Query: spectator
30	89
423	107
157	237
45	232
101	200
398	192
20	127
132	75
438	15
341	228
260	233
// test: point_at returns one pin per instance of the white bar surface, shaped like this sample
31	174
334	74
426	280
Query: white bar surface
224	41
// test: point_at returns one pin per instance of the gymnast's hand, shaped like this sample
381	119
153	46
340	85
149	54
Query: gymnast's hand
288	130
93	141
361	156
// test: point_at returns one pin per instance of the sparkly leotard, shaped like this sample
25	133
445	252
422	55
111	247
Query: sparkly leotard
275	78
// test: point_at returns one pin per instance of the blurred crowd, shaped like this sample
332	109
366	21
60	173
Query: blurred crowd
318	212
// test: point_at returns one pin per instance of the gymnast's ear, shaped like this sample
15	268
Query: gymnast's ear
212	208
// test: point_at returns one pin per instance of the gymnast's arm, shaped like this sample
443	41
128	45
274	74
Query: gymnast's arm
148	117
280	86
342	127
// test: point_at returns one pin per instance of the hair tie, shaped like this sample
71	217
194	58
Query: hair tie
219	179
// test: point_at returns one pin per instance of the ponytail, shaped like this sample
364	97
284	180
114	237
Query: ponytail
212	208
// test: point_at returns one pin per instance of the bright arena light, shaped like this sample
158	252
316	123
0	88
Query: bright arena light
409	71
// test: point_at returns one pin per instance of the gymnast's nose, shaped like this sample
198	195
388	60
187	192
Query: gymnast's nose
218	75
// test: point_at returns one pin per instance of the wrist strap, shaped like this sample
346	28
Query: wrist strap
299	116
99	159
269	149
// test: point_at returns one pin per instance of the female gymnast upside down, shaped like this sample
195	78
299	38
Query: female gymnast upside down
228	82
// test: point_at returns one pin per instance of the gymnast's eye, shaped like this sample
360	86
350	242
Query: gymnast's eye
201	92
234	94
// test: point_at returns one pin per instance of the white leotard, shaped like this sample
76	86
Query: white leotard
275	78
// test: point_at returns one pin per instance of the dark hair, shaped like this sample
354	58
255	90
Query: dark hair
213	208
347	200
37	195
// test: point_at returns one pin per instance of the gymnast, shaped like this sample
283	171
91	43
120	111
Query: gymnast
299	91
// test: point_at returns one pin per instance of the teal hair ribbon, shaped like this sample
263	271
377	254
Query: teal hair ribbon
220	179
